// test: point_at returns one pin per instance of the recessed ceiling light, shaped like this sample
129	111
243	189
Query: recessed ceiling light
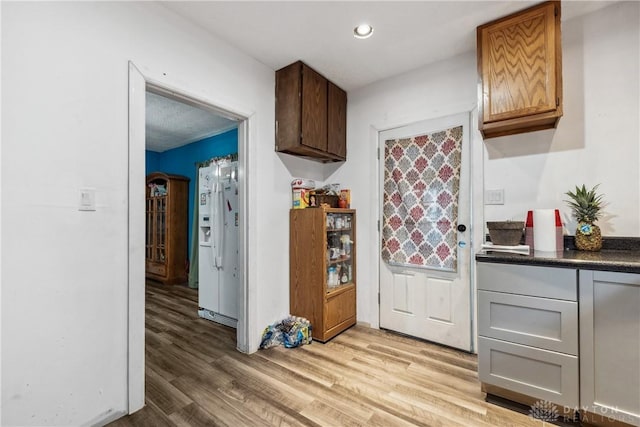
363	31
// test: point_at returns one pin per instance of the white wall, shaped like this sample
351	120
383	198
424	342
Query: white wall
597	140
65	126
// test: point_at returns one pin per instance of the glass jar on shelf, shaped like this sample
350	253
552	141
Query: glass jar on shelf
344	274
333	277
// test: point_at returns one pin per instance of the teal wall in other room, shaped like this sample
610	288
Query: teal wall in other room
182	161
152	161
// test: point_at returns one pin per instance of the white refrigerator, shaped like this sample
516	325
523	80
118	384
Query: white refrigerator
218	242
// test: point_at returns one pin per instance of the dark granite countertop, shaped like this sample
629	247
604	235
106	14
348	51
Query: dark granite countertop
626	261
621	254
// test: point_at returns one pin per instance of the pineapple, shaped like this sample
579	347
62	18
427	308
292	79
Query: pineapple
586	206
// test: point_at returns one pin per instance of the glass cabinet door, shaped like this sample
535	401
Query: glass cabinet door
156	225
339	249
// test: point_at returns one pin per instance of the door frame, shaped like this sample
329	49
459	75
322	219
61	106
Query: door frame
138	85
477	154
463	118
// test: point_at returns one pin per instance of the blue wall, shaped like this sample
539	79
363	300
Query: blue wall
152	161
182	161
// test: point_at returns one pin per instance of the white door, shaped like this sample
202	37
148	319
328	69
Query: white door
425	284
228	280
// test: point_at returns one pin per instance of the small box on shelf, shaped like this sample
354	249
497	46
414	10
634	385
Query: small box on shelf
345	199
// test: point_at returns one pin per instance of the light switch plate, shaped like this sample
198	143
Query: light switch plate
87	199
494	197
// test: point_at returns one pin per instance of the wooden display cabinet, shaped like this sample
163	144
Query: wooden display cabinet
167	228
520	70
311	115
322	269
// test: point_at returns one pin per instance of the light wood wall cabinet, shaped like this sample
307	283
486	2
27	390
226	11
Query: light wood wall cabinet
322	269
311	115
167	228
610	347
520	71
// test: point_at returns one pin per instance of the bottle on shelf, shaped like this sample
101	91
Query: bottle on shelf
344	275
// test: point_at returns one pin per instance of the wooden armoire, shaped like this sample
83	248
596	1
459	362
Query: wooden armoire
167	228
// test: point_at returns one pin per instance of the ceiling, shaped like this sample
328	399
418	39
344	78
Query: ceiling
407	35
171	123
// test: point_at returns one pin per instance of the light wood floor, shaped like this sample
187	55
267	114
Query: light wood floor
363	377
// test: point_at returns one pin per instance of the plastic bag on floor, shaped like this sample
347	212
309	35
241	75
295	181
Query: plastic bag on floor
290	332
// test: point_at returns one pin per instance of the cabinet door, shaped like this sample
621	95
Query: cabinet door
340	312
520	68
337	121
149	235
341	249
161	229
314	109
519	65
610	345
288	107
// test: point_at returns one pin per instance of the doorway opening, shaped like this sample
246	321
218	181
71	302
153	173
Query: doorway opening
139	87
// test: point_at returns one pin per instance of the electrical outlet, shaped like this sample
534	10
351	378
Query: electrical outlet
494	197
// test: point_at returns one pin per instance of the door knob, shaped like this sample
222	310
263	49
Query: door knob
462	228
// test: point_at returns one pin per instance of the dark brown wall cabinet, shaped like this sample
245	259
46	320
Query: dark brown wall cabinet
311	115
520	70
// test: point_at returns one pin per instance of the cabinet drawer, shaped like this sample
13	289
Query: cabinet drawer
157	269
539	322
545	282
541	374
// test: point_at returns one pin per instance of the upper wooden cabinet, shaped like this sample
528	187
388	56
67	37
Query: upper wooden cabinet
311	114
520	70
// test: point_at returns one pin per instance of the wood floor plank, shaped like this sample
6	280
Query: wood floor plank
151	416
279	390
436	365
208	396
377	399
406	381
292	360
273	412
165	364
295	375
385	419
193	415
163	394
363	377
326	415
439	407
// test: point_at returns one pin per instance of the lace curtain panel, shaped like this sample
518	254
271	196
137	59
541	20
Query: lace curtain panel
420	200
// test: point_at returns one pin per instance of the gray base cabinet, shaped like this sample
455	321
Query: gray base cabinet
566	336
527	322
610	346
